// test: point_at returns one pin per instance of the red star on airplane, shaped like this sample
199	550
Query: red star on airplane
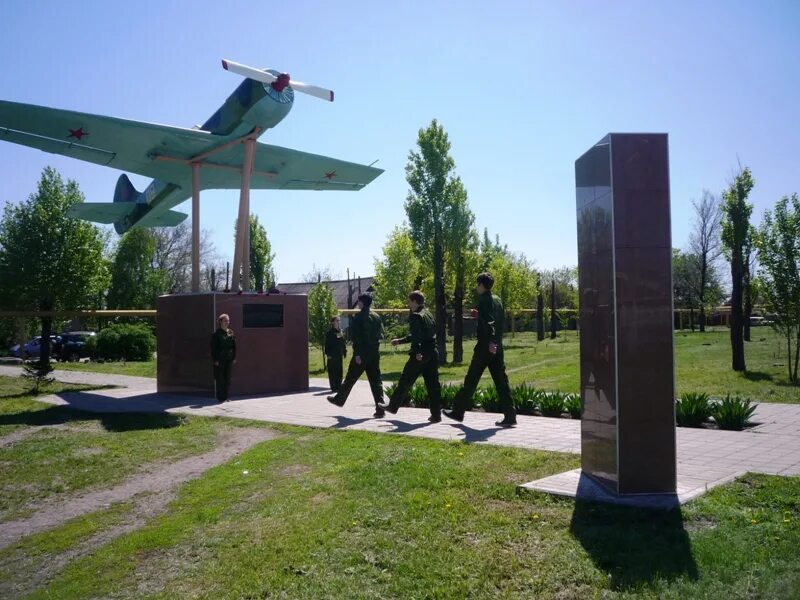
330	175
77	133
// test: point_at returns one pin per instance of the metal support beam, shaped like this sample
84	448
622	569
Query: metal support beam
195	227
247	168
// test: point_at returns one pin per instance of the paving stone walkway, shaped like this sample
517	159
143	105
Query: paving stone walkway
706	458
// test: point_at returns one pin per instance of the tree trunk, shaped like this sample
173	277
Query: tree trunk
691	318
441	309
703	271
553	311
458	316
737	341
748	309
702	318
47	330
540	317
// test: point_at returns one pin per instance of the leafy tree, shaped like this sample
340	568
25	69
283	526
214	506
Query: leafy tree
321	309
49	261
515	281
398	273
685	281
434	189
489	249
778	242
462	253
539	311
705	244
566	286
262	273
136	282
735	228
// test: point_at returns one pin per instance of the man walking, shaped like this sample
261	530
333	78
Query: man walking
488	353
366	330
423	359
335	351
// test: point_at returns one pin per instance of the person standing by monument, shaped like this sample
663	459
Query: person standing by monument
366	330
488	353
423	359
223	353
335	351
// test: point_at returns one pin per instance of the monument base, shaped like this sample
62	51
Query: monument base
271	342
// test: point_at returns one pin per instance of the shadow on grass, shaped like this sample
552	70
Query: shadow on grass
757	376
634	546
115	422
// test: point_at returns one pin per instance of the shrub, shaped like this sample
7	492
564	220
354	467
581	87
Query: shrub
525	398
127	342
733	412
551	404
389	390
488	399
572	402
419	396
693	409
449	392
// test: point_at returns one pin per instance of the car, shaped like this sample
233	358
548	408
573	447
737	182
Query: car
74	345
32	348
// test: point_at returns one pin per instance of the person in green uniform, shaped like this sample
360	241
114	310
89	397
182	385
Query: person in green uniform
335	351
366	330
488	353
223	353
423	359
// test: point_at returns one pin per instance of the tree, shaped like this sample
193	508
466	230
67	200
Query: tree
262	273
136	282
317	274
539	311
685	281
704	243
735	227
489	249
748	290
515	281
49	261
321	309
172	255
778	242
434	189
462	252
566	288
398	273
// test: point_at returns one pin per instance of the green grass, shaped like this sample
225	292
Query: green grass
83	450
329	514
349	514
136	369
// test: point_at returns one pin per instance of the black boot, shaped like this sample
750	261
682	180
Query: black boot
507	422
452	414
335	401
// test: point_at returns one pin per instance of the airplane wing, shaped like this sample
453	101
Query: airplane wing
286	169
109	141
161	218
102	212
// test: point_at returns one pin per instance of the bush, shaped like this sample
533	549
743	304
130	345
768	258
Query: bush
389	390
126	342
419	396
733	412
551	404
488	399
572	402
525	398
693	409
449	391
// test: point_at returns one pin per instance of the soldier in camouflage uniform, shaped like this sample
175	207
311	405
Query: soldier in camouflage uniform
335	351
488	353
423	359
366	331
223	353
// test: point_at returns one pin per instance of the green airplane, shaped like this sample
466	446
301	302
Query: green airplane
221	149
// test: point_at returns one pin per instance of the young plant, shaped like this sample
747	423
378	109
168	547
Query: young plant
488	399
419	396
525	398
573	404
733	412
693	409
551	404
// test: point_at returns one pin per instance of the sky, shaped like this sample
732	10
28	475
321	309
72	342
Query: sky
522	88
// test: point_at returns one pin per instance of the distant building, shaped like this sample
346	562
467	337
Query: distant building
343	296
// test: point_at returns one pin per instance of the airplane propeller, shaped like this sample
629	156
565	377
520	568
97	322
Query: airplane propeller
278	82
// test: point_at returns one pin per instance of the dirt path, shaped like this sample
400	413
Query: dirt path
156	479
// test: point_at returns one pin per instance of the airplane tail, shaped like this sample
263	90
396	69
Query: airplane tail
125	192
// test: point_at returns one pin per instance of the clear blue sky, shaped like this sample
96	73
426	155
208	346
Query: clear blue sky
523	88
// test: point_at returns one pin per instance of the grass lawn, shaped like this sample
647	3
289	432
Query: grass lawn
702	361
347	514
